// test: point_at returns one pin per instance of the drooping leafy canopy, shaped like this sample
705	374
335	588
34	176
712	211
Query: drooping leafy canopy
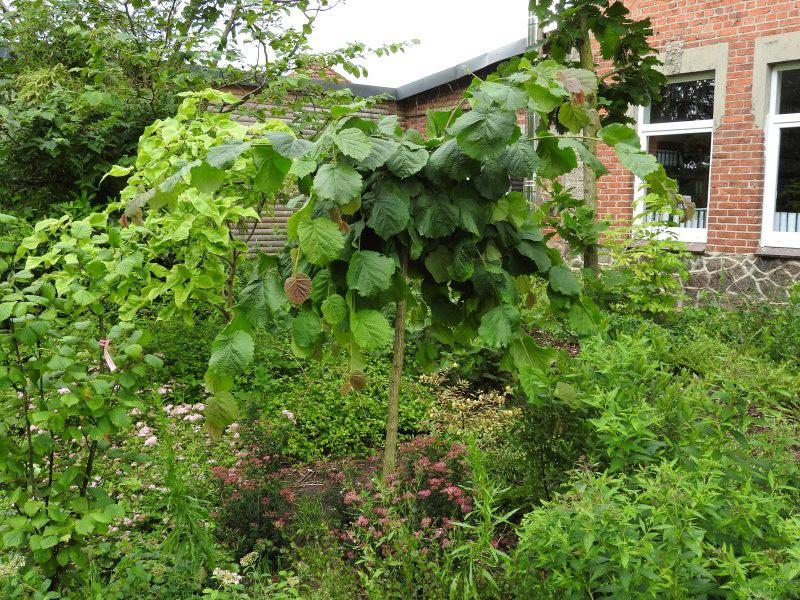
388	210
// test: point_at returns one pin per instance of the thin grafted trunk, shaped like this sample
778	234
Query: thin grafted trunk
393	412
591	255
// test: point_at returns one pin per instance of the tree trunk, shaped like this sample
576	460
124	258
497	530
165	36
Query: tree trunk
591	255
393	416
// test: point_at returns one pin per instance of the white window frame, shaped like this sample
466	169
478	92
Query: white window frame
775	123
646	130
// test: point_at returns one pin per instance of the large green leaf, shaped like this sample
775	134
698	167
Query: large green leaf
389	213
507	96
231	352
438	264
322	286
221	410
369	272
498	326
520	159
293	222
527	354
617	133
493	181
222	155
81	230
261	297
371	330
271	169
306	328
334	309
472	211
450	160
287	145
541	99
320	239
353	143
537	252
513	207
437	216
339	182
564	281
484	131
465	256
573	116
206	178
382	150
586	156
637	161
555	160
407	161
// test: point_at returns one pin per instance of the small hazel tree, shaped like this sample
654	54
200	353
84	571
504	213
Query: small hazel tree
392	220
632	78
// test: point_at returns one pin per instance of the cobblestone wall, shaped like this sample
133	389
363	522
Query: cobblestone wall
735	277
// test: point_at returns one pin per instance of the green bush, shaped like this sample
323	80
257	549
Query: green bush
688	480
709	528
324	420
185	348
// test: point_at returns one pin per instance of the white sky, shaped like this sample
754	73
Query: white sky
449	31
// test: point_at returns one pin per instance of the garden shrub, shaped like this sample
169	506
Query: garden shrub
260	495
325	421
185	348
647	267
68	378
689	482
676	531
400	531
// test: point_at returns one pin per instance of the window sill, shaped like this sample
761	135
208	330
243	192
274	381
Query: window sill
778	252
695	247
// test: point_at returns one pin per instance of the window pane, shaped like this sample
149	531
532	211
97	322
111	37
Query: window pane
790	92
684	101
687	159
787	199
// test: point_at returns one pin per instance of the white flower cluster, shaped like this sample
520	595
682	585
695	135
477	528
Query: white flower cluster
186	412
249	559
227	578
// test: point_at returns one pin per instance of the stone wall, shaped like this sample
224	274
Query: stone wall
734	277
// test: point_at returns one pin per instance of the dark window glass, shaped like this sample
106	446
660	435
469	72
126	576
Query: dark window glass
787	200
684	101
687	159
790	92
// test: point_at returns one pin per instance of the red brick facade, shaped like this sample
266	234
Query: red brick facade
737	162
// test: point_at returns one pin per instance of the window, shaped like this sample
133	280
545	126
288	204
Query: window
677	130
781	220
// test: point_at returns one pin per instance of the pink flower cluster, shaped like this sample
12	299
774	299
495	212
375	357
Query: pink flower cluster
426	493
143	431
186	412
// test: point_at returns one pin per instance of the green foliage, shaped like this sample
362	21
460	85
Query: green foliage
648	267
326	422
86	77
380	199
688	485
67	383
633	78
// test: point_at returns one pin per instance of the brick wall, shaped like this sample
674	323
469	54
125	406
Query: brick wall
737	165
